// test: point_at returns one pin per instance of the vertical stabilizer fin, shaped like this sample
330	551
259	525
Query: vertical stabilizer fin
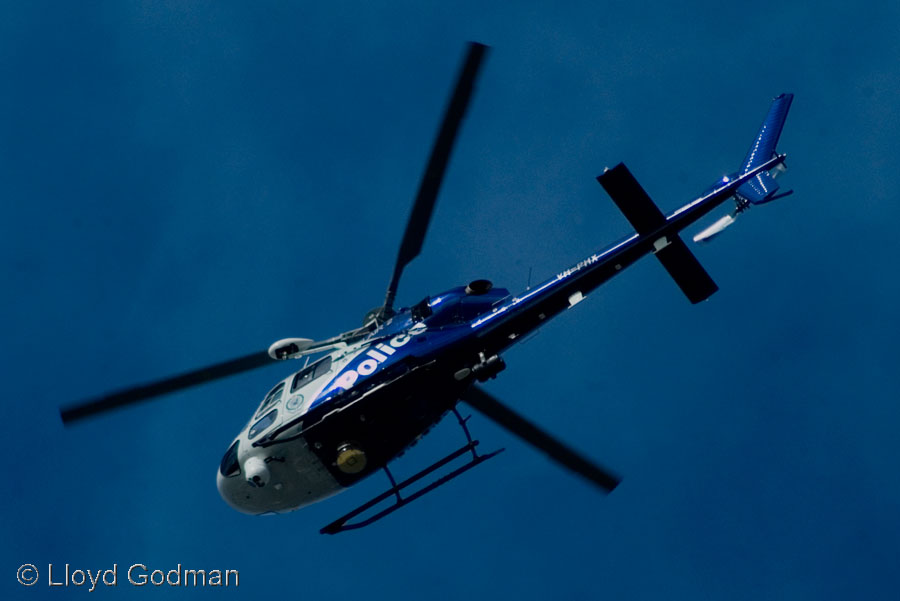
762	188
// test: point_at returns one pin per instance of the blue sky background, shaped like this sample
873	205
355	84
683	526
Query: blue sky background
185	184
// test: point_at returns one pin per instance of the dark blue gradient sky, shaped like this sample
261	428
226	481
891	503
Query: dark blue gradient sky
186	183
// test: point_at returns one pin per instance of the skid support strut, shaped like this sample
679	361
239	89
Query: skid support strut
340	524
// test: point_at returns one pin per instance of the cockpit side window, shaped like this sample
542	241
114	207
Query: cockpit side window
273	397
322	367
314	371
267	420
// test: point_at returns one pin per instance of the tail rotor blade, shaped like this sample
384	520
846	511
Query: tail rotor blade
493	409
434	171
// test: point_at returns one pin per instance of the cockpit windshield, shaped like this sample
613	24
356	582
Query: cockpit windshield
273	397
230	466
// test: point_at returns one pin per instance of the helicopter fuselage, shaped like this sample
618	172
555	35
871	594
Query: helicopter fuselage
374	391
351	412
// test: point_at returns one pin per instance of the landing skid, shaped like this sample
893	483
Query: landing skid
341	525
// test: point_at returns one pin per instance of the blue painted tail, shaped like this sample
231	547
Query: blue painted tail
762	188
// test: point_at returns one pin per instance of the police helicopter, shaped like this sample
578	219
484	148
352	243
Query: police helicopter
363	397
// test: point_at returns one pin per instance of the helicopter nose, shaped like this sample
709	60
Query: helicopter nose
246	486
232	480
258	484
230	491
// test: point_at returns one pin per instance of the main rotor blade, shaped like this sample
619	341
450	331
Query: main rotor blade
136	394
493	409
434	172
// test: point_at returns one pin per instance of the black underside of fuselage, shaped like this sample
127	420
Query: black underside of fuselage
384	421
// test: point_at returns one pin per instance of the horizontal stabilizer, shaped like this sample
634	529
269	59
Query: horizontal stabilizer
687	271
760	189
